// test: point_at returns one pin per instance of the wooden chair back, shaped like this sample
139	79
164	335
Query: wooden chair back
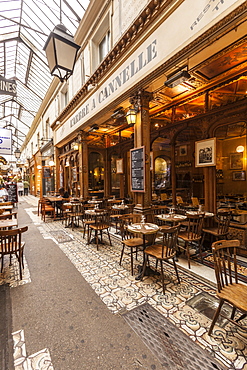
10	240
225	262
163	196
169	241
194	225
223	222
195	202
179	199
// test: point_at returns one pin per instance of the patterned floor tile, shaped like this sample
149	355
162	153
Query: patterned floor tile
120	292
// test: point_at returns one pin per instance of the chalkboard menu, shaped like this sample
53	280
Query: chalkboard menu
137	167
11	188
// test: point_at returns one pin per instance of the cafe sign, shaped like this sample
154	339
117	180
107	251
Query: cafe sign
7	87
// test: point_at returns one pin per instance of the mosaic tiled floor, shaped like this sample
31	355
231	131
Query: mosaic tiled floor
120	292
37	361
10	274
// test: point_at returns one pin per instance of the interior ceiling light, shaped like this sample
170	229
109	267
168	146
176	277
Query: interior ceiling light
177	79
93	128
240	149
118	113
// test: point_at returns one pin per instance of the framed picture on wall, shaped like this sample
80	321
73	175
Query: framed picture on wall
119	165
205	153
236	161
238	176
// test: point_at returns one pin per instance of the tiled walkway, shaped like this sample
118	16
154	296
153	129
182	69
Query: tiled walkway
120	291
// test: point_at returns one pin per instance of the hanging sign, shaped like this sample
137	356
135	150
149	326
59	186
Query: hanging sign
5	141
137	168
7	87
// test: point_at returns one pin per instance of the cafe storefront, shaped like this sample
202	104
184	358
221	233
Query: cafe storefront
189	97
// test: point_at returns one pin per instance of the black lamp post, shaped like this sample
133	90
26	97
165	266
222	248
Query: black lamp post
61	51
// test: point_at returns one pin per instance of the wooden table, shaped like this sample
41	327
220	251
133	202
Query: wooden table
172	217
7	208
8	224
144	229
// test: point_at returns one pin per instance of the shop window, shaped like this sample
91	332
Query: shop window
161	173
96	172
231	169
101	42
115	177
104	46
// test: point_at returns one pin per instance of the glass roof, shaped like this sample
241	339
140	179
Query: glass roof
24	28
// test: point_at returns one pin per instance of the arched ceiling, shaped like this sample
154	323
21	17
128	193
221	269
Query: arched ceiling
24	28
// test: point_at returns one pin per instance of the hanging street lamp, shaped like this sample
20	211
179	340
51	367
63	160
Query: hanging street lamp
61	51
17	153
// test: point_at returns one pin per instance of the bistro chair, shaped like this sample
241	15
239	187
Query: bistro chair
115	215
102	223
164	251
221	228
130	242
46	209
195	202
191	234
74	214
11	243
87	219
228	287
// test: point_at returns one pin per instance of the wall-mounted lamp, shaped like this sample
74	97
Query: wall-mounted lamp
51	163
240	149
75	146
39	167
61	51
177	79
131	116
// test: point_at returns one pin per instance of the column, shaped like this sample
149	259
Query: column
83	153
142	138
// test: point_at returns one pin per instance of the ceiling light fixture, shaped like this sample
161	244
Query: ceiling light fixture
240	149
61	51
93	128
177	79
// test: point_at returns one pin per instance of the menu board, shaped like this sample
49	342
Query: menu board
11	188
137	168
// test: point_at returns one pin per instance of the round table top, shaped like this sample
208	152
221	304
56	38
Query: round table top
8	223
146	228
95	201
172	217
94	211
120	206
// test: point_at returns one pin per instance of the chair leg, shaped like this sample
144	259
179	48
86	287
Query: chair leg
162	276
121	257
131	261
188	253
233	313
2	263
109	237
176	270
216	315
